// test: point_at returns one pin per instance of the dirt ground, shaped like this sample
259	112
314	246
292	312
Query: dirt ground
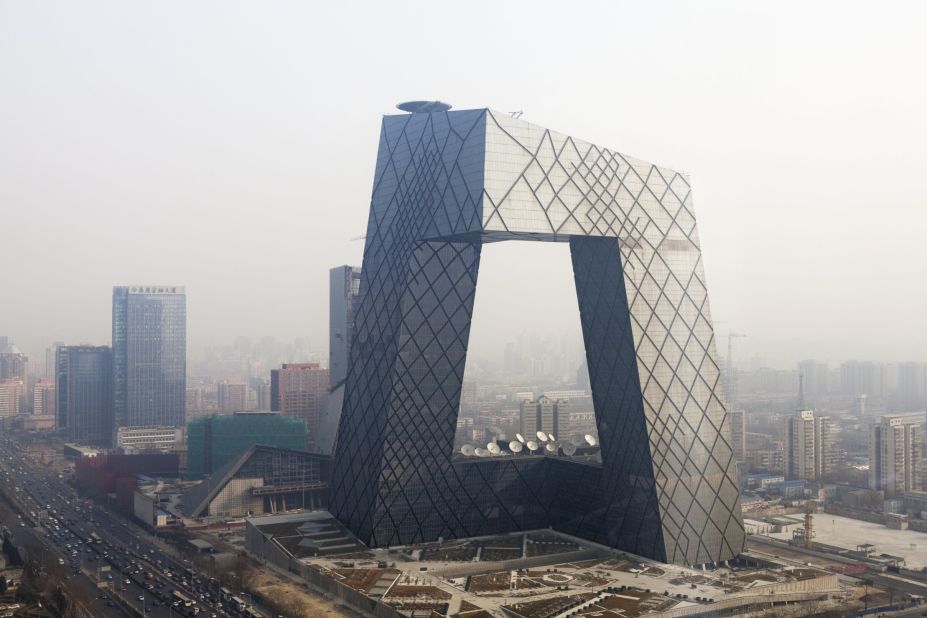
297	602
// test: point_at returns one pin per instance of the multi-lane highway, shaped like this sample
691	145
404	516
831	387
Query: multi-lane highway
129	573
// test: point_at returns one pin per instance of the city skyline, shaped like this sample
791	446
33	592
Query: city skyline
253	173
324	308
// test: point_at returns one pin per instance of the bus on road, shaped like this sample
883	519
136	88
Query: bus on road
183	599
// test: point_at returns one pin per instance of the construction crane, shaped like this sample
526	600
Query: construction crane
809	525
731	387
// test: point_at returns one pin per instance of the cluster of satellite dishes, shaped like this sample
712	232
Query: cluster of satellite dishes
545	442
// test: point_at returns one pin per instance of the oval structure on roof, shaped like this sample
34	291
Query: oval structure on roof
423	107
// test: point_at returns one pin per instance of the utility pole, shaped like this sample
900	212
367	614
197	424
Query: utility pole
731	378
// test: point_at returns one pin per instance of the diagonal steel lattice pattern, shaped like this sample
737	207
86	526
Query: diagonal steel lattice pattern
444	184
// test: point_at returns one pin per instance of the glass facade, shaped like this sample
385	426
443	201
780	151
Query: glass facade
85	393
444	184
259	480
150	355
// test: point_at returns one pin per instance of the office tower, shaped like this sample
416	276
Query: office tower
12	395
232	396
300	389
50	355
149	355
809	446
738	434
447	182
896	448
545	414
84	390
344	287
213	441
261	388
43	397
14	366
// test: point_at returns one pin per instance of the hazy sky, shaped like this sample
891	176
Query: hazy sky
229	147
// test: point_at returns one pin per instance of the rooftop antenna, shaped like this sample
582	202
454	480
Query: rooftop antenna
516	114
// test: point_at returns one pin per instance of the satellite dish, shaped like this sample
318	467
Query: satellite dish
515	446
493	448
551	447
569	449
542	436
520	438
423	107
481	452
532	445
467	450
590	440
550	437
577	440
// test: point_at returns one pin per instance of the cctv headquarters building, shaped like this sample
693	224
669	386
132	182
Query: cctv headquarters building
662	482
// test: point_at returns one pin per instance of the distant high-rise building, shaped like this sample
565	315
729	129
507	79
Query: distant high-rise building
343	292
814	379
544	414
193	400
14	365
43	397
300	389
896	449
911	390
738	434
860	406
12	394
50	354
261	388
858	378
149	355
809	446
232	396
84	390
